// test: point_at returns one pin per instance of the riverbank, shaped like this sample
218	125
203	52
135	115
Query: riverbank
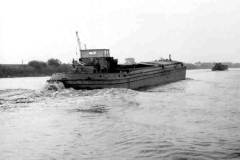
41	70
16	70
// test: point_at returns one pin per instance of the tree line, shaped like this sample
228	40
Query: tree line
40	68
209	65
34	68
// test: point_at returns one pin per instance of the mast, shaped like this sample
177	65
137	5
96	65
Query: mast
79	43
170	57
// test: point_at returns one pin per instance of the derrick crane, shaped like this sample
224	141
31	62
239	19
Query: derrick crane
79	43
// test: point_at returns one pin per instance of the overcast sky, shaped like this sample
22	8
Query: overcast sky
190	30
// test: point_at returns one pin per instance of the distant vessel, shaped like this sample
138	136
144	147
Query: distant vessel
219	67
96	69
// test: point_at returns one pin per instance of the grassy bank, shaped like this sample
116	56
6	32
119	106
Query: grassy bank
33	69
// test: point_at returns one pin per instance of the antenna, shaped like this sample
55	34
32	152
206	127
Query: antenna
79	43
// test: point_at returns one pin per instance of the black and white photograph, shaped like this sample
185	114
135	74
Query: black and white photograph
119	80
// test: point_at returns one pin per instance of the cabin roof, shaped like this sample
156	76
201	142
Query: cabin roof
87	53
90	50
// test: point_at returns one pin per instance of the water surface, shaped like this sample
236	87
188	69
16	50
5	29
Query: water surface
194	119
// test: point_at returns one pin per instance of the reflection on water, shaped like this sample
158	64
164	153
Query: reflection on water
193	119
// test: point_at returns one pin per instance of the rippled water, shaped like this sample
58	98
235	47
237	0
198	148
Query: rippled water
195	119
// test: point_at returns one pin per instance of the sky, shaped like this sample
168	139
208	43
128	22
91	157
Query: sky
189	30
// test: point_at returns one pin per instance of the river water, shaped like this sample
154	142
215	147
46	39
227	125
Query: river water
194	119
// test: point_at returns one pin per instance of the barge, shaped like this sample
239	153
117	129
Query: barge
96	69
219	67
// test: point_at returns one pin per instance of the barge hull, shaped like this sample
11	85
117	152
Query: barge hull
132	82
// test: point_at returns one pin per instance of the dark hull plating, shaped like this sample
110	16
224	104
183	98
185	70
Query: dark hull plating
136	80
